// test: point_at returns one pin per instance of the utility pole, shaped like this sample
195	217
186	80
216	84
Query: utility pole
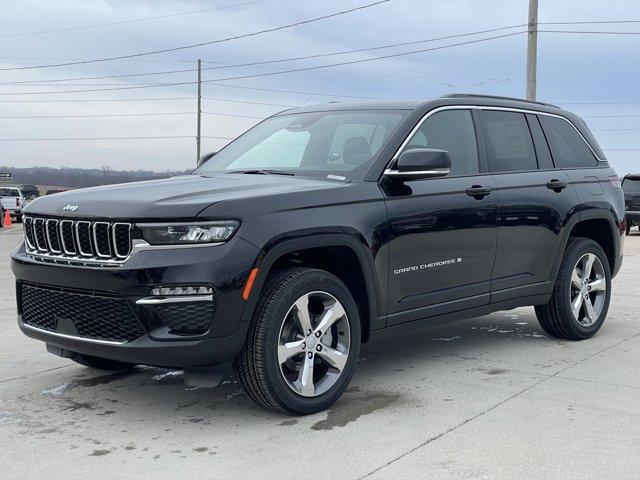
532	50
199	122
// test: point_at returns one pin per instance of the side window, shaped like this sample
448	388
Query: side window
568	147
453	131
509	143
540	142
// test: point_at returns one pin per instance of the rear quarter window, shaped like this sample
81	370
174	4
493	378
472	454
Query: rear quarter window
567	146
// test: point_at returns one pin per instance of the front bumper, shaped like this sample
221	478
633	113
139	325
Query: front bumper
223	267
147	351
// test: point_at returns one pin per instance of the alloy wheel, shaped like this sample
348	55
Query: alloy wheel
588	289
314	342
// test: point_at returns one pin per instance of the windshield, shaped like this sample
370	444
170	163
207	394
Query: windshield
631	185
340	143
9	192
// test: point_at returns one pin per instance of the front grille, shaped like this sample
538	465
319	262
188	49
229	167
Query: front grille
86	314
82	240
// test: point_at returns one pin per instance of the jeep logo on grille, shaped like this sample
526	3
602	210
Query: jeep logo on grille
70	208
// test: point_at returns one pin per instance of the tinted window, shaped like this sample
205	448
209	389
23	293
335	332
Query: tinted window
569	149
540	142
509	143
8	192
453	131
631	185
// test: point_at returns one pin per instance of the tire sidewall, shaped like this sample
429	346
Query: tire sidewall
315	280
563	299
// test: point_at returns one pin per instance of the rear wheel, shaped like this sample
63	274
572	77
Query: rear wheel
580	299
303	342
100	363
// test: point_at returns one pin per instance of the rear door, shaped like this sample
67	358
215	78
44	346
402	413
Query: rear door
443	237
573	155
534	201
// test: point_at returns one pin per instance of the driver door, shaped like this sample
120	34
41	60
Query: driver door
443	237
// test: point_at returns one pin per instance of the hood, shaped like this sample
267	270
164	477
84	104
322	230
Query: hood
177	198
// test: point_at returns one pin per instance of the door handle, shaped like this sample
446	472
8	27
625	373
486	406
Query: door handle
556	185
478	192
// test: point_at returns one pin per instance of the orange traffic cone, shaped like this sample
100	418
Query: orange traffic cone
7	219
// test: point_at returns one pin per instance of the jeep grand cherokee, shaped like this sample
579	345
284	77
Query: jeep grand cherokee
321	227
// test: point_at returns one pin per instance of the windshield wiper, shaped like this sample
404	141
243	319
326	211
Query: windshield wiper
263	172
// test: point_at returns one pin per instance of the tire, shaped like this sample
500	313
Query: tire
276	384
557	318
100	363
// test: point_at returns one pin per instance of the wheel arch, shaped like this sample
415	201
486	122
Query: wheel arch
332	245
600	226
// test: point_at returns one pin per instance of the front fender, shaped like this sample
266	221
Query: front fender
276	248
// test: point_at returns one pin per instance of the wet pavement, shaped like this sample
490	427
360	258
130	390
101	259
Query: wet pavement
491	397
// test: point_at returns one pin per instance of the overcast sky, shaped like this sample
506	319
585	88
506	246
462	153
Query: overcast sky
592	75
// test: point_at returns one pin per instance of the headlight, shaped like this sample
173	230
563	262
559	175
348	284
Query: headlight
188	233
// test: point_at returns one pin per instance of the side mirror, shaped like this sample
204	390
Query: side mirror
205	157
419	163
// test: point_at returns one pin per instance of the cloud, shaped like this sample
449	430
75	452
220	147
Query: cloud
572	68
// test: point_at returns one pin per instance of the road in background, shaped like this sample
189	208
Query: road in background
491	397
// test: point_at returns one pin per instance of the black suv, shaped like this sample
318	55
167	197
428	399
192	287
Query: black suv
321	227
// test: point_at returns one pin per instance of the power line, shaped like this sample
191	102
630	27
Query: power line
592	32
302	69
589	22
250	102
99	115
85	100
364	60
234	115
144	19
97	100
266	62
202	44
65	139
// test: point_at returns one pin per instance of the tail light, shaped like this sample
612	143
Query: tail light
615	181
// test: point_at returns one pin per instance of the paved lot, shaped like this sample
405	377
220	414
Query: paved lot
491	397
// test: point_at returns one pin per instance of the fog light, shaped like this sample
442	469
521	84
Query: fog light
176	291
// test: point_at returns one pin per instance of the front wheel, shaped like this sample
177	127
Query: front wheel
303	342
580	299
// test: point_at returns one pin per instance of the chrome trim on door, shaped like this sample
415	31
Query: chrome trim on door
394	158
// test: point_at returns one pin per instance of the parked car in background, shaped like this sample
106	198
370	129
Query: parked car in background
631	187
12	200
29	192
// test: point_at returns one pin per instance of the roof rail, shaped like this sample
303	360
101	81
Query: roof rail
496	97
